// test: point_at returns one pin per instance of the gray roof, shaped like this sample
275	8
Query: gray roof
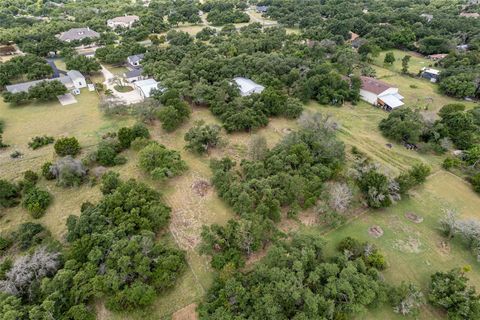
134	73
67	81
136	58
78	34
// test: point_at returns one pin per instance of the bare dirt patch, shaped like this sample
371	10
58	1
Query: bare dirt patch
413	217
375	231
201	187
187	313
443	247
410	245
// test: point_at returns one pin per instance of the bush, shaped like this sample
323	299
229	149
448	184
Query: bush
36	201
110	182
9	194
30	179
38	142
30	234
160	162
107	155
4	244
46	172
173	114
201	137
475	181
67	146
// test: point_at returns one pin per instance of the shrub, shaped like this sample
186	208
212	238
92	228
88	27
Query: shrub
475	181
67	146
160	162
36	201
4	244
30	234
38	142
30	179
46	172
107	155
127	135
110	182
201	137
9	194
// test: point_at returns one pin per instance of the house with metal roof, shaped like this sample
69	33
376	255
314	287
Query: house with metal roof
262	9
134	75
125	21
146	87
73	81
380	94
247	86
78	34
135	60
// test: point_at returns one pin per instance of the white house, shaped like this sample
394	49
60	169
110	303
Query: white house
134	75
380	94
135	60
122	21
247	86
73	81
145	87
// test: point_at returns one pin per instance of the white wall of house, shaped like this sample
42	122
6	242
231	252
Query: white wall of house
368	96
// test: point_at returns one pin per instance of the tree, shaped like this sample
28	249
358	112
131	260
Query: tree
46	90
459	86
83	64
201	137
257	148
403	125
406	299
9	194
126	135
340	197
36	201
67	146
173	114
389	58
405	61
161	163
449	290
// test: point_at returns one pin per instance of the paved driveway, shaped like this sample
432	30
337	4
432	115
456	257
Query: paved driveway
124	97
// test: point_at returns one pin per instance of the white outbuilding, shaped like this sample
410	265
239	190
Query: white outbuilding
247	86
145	87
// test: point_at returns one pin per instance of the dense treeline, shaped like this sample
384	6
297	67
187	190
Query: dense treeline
111	252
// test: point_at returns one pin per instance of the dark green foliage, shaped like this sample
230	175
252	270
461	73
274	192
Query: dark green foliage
82	63
9	194
36	201
174	113
5	266
354	249
406	299
290	273
375	186
110	182
206	33
389	58
30	179
67	146
126	135
415	176
201	137
450	291
475	181
402	125
4	245
107	154
221	12
38	142
459	86
160	162
46	172
30	234
32	66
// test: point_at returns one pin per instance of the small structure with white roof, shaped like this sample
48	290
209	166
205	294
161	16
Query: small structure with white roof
380	94
145	87
247	86
431	74
135	60
125	21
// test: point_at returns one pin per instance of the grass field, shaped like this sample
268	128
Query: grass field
416	63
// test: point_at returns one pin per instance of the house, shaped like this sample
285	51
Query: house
78	34
261	9
134	75
431	74
380	94
73	81
135	60
437	57
123	21
353	36
463	47
474	15
145	87
247	86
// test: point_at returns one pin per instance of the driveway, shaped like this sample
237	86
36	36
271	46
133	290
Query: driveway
124	97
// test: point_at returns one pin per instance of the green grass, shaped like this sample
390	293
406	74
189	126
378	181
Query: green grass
409	263
416	63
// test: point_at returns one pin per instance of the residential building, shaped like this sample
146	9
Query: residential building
122	21
247	86
431	74
73	81
78	34
145	87
134	75
135	60
437	57
262	9
380	94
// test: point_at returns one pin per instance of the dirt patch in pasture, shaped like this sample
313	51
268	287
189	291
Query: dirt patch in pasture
187	313
201	187
410	245
375	231
413	217
443	247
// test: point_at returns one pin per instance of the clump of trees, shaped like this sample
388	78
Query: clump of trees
82	63
42	91
295	280
159	162
175	111
38	142
221	12
32	66
36	201
202	137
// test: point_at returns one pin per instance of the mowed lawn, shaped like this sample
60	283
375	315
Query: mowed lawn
416	250
416	63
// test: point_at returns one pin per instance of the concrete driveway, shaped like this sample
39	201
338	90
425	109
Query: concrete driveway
124	97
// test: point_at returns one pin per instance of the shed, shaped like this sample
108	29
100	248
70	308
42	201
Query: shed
247	86
145	87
